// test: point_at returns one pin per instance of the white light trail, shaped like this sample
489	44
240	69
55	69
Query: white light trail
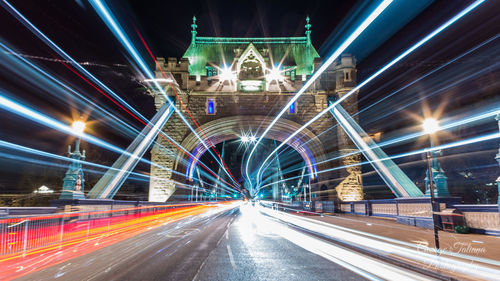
139	150
33	115
265	222
380	8
109	19
56	48
376	74
478	139
466	265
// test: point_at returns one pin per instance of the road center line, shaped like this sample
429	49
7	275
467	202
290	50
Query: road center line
231	257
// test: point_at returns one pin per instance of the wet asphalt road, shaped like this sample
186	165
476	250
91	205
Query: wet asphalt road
224	245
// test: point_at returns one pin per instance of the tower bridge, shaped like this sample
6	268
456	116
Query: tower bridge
256	153
232	86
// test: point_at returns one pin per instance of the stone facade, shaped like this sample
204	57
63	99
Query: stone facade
253	104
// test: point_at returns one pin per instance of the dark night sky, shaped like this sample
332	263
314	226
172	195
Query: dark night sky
75	27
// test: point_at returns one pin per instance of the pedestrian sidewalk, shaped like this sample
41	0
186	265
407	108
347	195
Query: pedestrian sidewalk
477	245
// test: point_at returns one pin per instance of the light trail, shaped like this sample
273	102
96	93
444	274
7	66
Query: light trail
49	122
60	87
186	109
112	186
106	15
78	237
473	140
56	48
380	8
445	126
65	90
465	265
455	59
275	224
36	152
126	107
376	74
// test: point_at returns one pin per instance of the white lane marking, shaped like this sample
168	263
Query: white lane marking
227	234
231	256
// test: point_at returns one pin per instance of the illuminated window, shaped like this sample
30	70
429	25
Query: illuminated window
210	106
211	71
293	108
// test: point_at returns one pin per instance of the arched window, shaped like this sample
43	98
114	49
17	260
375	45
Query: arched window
210	106
293	108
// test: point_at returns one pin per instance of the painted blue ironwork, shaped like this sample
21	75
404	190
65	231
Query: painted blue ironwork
73	182
392	175
440	179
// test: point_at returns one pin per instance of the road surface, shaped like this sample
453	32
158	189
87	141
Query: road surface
237	243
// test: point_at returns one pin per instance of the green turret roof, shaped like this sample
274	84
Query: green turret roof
289	51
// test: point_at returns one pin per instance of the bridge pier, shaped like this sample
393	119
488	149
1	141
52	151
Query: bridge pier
351	188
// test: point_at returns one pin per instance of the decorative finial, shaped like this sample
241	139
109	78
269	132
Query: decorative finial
308	31
193	31
194	26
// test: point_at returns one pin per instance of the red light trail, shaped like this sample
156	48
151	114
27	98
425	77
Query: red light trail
58	243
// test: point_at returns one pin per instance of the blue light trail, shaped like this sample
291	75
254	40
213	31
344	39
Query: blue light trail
376	74
380	8
31	114
415	82
56	48
487	137
106	15
61	90
36	152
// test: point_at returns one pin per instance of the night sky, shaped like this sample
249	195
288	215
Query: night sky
165	25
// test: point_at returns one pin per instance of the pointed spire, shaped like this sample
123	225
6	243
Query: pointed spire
308	31
193	31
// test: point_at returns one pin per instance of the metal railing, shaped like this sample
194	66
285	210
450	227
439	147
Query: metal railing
21	234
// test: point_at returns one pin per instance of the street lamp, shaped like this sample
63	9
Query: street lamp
73	182
431	126
78	127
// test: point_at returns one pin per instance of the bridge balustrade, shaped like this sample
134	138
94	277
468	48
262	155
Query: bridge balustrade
24	233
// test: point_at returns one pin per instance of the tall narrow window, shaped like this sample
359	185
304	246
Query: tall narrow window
210	106
347	75
293	108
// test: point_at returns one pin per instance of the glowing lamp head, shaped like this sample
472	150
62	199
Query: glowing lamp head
430	126
78	127
275	74
226	74
245	139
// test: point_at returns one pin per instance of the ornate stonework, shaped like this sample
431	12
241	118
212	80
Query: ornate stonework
247	77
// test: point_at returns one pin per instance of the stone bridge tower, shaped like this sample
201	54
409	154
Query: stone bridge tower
236	85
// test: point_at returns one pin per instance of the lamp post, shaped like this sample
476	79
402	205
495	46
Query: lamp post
73	182
431	126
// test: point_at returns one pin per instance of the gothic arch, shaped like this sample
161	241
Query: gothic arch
228	128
